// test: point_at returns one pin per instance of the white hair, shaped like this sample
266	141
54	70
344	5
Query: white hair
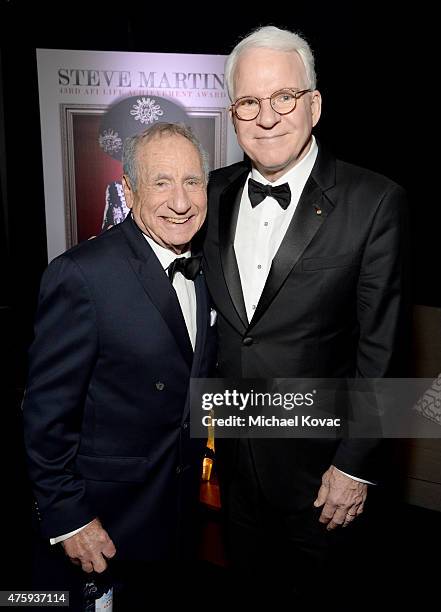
270	37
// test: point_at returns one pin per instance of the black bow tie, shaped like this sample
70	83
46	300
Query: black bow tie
188	266
258	192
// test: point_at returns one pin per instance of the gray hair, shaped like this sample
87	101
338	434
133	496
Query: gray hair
270	37
130	164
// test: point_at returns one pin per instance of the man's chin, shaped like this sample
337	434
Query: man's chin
268	168
178	244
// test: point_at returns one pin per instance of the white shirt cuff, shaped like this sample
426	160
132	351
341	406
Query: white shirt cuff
67	535
355	477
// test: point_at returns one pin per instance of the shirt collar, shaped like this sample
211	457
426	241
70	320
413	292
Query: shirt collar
164	255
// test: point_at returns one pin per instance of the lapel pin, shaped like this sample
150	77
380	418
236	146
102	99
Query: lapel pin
318	210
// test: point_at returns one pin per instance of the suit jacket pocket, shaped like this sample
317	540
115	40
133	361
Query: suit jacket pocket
335	261
113	469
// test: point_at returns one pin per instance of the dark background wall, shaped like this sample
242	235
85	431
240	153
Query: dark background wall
375	64
370	63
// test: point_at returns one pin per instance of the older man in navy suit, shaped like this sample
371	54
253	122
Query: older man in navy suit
123	323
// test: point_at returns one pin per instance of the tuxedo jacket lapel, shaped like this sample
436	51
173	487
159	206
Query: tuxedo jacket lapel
228	212
311	212
157	286
202	320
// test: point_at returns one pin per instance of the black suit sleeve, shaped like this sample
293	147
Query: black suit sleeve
62	357
382	304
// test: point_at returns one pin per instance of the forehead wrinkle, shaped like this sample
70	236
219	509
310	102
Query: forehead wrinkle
162	175
171	177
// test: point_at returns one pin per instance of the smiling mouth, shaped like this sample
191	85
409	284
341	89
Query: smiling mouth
269	137
177	220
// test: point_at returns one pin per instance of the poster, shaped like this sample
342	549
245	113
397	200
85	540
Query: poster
90	101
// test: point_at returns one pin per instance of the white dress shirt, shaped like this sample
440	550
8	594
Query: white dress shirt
260	230
186	294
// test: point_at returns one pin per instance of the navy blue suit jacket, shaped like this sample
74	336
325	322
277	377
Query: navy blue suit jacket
106	411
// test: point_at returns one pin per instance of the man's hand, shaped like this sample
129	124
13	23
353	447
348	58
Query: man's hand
90	547
342	498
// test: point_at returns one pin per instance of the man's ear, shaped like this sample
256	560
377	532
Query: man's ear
128	191
233	118
316	106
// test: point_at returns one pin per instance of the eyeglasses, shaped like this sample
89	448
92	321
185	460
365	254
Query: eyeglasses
283	102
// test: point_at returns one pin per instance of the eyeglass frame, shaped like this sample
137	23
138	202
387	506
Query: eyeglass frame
297	95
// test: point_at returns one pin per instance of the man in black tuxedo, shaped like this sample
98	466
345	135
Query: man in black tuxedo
303	260
123	322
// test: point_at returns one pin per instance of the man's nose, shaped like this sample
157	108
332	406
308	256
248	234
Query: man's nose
179	202
267	116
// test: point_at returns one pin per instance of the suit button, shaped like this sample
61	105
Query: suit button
179	469
247	341
160	386
184	426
